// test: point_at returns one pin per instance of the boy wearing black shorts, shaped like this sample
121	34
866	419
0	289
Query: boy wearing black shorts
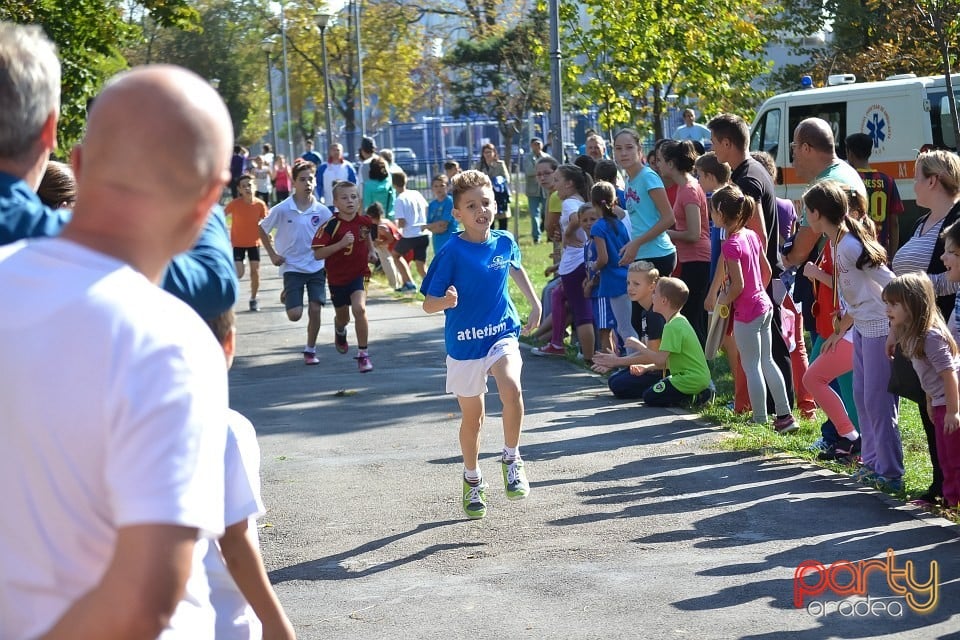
346	244
246	211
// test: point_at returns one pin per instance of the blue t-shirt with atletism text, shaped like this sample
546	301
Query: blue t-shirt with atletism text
480	272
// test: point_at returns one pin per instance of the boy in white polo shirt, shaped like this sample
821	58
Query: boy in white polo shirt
410	210
296	221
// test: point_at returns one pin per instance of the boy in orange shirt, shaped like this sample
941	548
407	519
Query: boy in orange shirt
345	242
246	212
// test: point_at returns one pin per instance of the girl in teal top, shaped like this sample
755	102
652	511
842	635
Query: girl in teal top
379	188
650	211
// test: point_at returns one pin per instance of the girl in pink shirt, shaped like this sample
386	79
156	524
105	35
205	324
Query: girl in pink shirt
691	230
747	270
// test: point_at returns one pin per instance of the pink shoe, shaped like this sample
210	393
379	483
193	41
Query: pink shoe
310	358
549	349
363	362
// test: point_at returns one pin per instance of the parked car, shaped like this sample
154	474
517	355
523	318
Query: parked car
406	159
461	155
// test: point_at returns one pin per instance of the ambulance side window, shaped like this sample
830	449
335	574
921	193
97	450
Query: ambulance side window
835	113
943	135
766	135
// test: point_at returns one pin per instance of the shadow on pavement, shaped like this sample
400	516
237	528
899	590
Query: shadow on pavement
331	567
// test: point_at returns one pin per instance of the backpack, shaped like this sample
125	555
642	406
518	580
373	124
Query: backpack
501	194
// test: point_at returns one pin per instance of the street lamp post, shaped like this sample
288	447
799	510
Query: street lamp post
323	19
267	45
356	30
286	81
556	94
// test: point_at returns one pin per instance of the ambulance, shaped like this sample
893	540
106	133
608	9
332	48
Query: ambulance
902	114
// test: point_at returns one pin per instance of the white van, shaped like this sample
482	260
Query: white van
902	115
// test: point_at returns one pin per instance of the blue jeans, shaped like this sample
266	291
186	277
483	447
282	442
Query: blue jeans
714	249
536	208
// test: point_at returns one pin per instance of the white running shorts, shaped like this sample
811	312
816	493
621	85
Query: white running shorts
468	378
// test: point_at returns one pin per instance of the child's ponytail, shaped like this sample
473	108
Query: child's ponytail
734	207
603	196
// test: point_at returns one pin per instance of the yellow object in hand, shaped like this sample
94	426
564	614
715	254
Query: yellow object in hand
723	310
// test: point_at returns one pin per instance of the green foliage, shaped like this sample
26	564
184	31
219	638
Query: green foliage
871	38
89	35
504	76
637	52
173	13
221	46
393	50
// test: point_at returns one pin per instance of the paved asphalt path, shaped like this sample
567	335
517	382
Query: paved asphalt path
638	524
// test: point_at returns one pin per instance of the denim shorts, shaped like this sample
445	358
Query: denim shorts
295	282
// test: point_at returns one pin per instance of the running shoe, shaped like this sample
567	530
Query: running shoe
363	362
820	445
785	424
549	349
883	483
340	340
843	450
927	499
254	305
474	499
704	398
862	472
409	287
514	479
310	358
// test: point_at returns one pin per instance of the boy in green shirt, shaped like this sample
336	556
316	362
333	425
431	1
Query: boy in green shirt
689	381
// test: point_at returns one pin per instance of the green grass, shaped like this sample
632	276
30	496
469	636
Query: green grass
744	435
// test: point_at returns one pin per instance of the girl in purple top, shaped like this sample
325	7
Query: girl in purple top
746	270
923	336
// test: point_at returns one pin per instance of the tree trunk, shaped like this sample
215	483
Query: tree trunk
657	114
951	98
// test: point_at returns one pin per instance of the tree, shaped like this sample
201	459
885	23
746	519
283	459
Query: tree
89	35
941	16
392	49
632	54
503	75
872	39
222	47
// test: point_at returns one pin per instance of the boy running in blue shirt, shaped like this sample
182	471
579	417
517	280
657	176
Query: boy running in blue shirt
440	220
481	334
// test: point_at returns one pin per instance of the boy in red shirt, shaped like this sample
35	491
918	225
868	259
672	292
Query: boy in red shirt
346	243
246	211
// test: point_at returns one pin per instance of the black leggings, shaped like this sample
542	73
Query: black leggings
696	275
665	265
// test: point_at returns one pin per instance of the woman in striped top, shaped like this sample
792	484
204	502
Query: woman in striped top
937	187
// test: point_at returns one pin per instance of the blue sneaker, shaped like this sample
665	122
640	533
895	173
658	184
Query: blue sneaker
409	287
862	472
474	499
820	445
883	483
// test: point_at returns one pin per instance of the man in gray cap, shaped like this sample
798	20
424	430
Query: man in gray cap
536	198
